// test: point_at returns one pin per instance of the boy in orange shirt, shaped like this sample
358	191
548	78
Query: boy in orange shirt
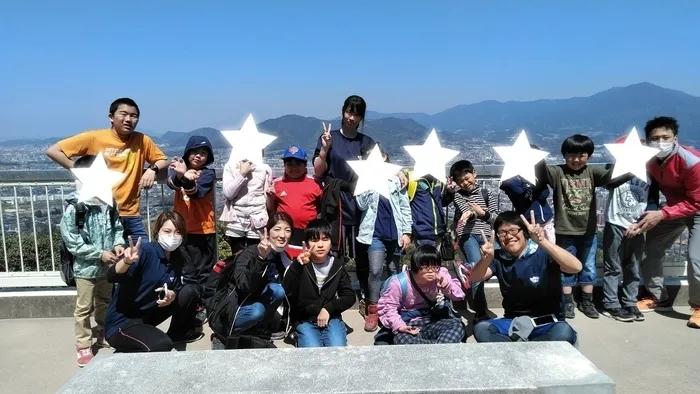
194	183
126	151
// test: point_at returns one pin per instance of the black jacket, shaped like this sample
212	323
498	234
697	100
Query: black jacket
330	207
305	298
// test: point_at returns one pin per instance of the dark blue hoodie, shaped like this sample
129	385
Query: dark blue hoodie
526	198
207	177
426	209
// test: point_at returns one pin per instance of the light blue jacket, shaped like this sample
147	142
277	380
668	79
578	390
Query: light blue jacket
368	202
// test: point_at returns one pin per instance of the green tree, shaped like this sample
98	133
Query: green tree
43	246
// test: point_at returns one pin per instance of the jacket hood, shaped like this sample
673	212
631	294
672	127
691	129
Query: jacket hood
198	141
73	198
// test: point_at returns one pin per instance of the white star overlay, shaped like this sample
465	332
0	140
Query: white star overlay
97	181
248	142
431	158
373	173
520	159
631	156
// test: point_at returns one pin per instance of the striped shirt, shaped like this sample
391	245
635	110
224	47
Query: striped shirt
322	270
475	225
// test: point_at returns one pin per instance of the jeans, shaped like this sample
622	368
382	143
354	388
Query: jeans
133	225
586	247
659	239
381	253
252	313
311	335
470	244
621	254
496	330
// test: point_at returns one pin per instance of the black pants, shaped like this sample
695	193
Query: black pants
239	243
142	335
202	249
359	252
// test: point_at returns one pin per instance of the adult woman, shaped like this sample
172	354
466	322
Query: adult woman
250	290
245	212
528	267
412	307
149	279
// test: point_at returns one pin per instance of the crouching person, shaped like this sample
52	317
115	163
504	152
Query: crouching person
250	290
528	267
319	292
415	308
154	281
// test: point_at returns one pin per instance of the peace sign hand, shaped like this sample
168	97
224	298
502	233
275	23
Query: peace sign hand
326	139
305	255
535	230
178	165
264	246
487	249
131	254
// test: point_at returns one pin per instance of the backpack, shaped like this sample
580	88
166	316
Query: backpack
67	259
403	283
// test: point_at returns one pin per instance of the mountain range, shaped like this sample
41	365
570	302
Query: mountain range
603	116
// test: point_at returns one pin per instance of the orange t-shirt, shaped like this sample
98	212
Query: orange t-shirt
197	212
127	156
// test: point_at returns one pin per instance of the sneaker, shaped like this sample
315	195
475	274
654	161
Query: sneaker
694	321
100	340
650	304
84	356
363	308
201	316
588	309
192	335
569	310
278	336
619	314
372	319
463	274
638	316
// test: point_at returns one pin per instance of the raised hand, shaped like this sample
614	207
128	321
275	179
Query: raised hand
326	138
264	246
131	254
479	211
305	255
443	283
451	185
535	230
178	165
245	167
487	249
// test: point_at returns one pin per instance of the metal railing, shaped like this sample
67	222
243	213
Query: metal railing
31	237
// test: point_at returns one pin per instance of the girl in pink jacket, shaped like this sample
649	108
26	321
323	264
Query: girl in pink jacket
416	306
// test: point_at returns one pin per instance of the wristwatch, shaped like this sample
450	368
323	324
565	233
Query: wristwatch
154	168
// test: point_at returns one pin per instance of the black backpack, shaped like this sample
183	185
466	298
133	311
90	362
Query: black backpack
67	259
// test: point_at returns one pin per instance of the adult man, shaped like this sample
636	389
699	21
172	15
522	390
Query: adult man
126	151
676	170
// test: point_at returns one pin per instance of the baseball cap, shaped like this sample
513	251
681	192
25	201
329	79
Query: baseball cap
294	152
521	328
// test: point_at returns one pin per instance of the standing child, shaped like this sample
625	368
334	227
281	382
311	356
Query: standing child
296	194
475	210
319	292
193	183
425	195
93	234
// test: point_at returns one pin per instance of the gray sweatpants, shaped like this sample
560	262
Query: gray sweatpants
659	239
620	255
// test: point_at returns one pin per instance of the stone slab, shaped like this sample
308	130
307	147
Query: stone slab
530	367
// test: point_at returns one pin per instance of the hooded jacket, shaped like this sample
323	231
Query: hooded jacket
526	198
306	300
426	207
101	230
193	200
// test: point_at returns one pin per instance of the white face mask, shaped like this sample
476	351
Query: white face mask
665	148
168	242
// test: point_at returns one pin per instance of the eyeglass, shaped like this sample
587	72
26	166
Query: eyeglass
512	232
431	268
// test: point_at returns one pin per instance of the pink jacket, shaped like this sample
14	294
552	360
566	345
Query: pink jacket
244	196
390	306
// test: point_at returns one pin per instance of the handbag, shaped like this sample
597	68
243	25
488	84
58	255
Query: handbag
447	249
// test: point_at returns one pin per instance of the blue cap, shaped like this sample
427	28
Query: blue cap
294	152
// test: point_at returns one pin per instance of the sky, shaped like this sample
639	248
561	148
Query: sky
210	63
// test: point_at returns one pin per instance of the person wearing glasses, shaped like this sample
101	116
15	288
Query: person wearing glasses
528	267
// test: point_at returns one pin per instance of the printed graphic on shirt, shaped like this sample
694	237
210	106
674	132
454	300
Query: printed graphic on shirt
627	202
578	195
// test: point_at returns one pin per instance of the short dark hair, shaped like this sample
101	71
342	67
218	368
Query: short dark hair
176	218
279	217
356	105
425	256
123	101
664	122
510	217
461	168
577	143
317	228
84	161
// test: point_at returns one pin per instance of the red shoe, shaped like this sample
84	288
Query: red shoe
84	356
372	318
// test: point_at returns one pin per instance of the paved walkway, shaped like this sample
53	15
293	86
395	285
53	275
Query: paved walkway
655	356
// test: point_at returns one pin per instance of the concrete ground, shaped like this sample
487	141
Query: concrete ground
654	356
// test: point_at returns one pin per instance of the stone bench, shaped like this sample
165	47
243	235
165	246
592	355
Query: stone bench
529	367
